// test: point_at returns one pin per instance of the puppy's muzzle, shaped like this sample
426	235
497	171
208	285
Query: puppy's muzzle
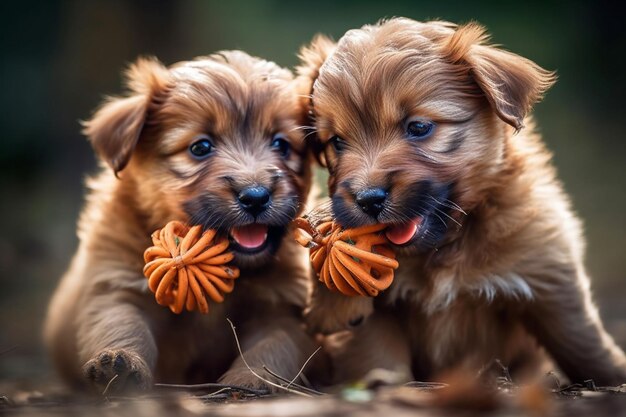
254	200
371	200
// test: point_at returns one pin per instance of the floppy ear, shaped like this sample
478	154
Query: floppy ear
312	57
116	126
511	83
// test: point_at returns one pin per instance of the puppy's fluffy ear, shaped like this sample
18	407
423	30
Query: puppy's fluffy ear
116	126
312	57
511	83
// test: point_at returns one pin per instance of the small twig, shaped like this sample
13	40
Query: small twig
426	385
106	389
220	396
571	388
504	381
555	378
590	385
305	381
287	381
215	394
220	387
505	371
232	326
304	366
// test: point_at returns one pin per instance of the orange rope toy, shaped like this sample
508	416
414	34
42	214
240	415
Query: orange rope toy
351	261
185	266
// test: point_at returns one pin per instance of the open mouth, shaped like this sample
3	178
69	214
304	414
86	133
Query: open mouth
251	238
403	234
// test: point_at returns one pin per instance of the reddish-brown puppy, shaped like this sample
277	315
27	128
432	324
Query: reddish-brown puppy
213	141
425	127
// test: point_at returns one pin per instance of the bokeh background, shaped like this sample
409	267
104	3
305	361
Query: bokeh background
59	58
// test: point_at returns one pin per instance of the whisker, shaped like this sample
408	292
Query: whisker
397	213
438	216
413	213
444	213
449	204
302	128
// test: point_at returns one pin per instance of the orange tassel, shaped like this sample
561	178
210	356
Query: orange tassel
352	261
186	266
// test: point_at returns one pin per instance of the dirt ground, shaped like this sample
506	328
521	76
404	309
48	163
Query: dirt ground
499	397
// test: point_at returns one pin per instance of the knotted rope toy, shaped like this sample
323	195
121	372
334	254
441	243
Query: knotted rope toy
351	261
185	266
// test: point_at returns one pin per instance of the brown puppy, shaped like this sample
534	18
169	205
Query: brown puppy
214	142
425	127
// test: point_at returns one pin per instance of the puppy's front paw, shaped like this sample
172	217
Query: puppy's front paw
120	370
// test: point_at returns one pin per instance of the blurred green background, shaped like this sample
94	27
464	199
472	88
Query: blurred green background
60	58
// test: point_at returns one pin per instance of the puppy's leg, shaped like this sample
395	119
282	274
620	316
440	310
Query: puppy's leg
565	320
115	341
379	343
330	311
277	342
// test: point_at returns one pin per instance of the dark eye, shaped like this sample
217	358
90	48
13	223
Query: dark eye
202	147
281	145
337	143
420	129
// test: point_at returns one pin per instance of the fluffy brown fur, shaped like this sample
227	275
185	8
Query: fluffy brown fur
495	269
103	320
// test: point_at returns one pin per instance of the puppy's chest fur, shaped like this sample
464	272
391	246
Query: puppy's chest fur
437	289
449	316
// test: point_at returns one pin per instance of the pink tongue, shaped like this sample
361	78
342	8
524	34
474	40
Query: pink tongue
402	233
251	236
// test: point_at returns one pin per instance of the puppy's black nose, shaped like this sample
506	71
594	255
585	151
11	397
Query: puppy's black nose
371	200
254	200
